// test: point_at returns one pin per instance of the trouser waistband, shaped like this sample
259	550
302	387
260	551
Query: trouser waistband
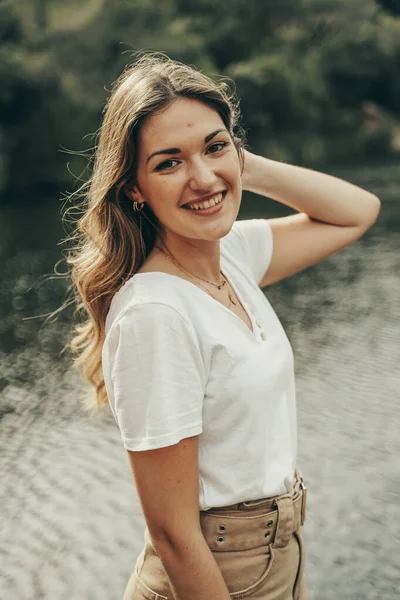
265	522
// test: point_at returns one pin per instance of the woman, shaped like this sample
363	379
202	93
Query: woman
197	368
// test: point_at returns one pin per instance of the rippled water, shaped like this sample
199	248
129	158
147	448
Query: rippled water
71	526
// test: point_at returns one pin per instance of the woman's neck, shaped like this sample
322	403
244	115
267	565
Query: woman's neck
197	257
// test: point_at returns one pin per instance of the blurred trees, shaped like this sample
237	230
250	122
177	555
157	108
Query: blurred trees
318	80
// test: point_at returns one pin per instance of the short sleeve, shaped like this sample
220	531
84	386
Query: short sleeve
251	241
157	377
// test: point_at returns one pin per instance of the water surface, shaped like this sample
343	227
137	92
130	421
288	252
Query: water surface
72	526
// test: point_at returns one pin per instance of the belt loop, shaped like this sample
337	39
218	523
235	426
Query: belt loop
285	525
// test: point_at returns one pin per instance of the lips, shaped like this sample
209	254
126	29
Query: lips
206	203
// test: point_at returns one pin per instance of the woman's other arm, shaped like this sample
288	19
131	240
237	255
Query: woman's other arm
167	481
332	213
322	197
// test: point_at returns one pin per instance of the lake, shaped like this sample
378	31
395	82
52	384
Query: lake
72	527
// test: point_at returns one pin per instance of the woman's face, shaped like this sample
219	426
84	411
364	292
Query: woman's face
187	156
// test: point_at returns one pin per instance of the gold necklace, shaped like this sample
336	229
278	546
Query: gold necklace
169	255
192	275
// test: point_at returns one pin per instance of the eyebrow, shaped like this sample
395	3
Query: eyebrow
207	139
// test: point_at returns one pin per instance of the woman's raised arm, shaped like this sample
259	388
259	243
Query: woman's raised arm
332	213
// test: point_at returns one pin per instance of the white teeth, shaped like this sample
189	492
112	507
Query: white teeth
215	200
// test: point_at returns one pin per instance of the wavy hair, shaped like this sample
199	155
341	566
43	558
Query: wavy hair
111	241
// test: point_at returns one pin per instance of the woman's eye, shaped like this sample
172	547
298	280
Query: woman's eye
167	164
170	163
217	147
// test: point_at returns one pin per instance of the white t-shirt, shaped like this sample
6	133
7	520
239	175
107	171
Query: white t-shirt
177	363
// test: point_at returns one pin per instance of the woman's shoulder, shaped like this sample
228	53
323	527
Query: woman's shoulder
247	232
149	295
248	247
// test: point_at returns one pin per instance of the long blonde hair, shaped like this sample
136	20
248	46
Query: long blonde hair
111	242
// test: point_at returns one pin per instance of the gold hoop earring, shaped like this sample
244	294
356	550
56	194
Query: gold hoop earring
138	206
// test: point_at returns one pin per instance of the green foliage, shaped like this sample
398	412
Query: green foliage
392	6
318	80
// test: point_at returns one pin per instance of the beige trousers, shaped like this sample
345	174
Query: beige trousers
258	546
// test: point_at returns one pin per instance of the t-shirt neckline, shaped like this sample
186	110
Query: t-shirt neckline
252	331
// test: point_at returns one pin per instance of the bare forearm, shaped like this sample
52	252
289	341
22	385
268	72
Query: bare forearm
193	571
320	196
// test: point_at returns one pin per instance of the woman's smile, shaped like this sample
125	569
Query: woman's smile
207	207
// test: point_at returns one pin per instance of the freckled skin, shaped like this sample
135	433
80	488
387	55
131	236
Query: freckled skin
198	170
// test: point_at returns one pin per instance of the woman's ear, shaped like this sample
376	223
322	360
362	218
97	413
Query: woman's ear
133	192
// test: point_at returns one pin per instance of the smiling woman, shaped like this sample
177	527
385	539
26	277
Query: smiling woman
182	342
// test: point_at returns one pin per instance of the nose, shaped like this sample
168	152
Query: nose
201	176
